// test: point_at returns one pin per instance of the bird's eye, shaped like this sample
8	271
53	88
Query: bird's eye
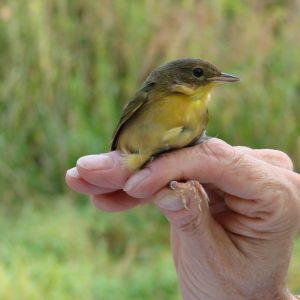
198	72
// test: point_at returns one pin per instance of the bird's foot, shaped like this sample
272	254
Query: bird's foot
190	189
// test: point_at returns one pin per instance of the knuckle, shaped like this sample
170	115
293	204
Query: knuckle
296	193
243	149
222	157
279	195
219	150
283	202
285	160
193	225
276	157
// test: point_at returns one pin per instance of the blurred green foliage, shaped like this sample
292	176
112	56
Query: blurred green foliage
66	69
61	251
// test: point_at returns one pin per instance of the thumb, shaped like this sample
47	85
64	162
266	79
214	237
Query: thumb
197	239
186	207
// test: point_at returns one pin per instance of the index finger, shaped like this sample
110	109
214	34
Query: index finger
103	170
214	162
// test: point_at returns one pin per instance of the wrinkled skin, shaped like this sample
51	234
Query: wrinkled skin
237	248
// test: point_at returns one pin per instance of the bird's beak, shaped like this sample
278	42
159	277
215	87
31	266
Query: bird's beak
224	77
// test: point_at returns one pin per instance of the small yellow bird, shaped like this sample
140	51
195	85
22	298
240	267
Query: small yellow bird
168	112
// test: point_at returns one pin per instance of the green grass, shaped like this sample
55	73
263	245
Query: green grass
66	69
66	250
294	272
59	250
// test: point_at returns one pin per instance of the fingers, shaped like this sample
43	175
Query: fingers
242	225
184	218
98	174
192	228
104	174
92	175
103	170
250	209
103	177
273	157
213	162
115	201
78	184
102	198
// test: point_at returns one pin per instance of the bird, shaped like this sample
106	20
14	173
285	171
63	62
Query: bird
168	112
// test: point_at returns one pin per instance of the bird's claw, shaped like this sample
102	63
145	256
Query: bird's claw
191	188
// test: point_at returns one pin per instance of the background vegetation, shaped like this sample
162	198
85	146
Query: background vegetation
66	68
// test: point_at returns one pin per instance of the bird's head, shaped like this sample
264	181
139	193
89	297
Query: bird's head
188	76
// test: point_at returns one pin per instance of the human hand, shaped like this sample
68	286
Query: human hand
240	247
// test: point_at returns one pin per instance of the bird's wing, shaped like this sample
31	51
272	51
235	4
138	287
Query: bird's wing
129	110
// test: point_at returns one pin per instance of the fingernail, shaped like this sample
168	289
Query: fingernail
136	179
170	202
95	162
73	173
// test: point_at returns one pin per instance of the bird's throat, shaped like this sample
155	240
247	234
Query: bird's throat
202	93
